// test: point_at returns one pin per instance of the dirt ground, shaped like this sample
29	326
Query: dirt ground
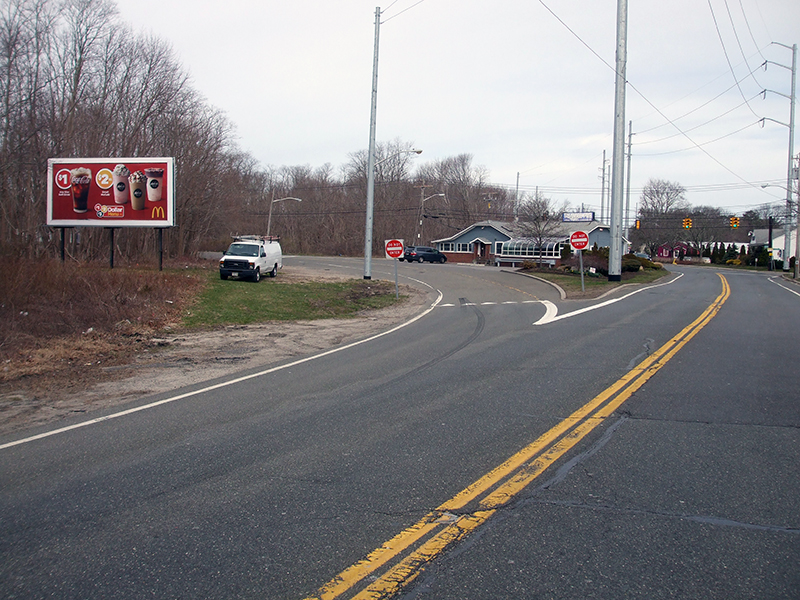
168	362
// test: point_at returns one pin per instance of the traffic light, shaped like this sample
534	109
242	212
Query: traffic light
734	222
687	223
638	223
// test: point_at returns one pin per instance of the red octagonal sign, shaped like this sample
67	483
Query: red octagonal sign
394	248
579	240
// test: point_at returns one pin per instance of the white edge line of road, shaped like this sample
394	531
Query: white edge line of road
779	284
551	311
217	386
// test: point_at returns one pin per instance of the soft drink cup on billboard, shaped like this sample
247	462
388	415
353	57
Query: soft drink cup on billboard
155	182
138	184
80	180
121	174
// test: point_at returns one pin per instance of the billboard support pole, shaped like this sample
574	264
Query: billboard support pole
62	243
111	242
160	249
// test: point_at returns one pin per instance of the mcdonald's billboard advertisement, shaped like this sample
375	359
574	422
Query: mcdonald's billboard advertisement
110	192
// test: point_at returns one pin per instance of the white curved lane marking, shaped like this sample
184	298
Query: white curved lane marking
550	317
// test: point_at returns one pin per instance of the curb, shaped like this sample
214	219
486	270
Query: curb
561	291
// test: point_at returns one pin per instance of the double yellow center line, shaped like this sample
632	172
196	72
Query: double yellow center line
453	520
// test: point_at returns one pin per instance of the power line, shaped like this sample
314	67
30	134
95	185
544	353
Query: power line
738	41
646	99
579	38
696	126
750	31
702	105
727	58
401	12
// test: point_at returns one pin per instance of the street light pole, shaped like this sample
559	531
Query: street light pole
371	154
790	125
418	236
273	201
791	163
370	202
618	164
371	157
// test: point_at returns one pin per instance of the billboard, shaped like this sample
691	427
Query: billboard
110	192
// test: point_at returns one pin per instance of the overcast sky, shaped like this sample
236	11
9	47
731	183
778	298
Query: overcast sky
524	86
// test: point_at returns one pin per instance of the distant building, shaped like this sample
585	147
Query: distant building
759	238
493	242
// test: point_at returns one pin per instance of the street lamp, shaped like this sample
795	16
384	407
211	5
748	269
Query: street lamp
273	201
371	164
789	216
418	236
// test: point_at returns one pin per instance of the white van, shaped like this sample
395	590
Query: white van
250	257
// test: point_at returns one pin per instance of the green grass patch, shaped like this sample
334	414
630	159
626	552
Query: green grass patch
243	302
571	282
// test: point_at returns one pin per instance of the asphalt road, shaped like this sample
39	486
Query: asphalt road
386	464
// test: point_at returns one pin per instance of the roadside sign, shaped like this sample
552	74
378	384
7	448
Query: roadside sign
111	192
579	240
394	248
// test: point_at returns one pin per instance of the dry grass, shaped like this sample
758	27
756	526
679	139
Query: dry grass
56	319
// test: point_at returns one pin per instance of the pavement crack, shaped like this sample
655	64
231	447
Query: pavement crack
648	350
703	519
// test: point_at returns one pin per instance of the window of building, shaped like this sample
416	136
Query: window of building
526	248
464	248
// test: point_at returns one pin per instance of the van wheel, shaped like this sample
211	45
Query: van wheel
274	272
221	276
257	275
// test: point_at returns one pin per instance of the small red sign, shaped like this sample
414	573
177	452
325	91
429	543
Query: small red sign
394	248
579	240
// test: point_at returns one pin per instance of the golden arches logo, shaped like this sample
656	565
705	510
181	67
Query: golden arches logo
157	213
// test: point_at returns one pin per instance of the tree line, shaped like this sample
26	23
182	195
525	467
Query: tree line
662	219
75	81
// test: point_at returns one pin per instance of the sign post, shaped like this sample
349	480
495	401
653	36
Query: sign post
394	249
579	240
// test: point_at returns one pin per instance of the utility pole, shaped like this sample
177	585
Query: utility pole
618	161
371	159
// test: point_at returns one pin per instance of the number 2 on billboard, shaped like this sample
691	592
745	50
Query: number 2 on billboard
104	179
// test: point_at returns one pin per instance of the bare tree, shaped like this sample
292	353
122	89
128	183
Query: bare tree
660	197
540	220
662	206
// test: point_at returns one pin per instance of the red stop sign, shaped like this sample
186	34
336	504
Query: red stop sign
394	248
579	240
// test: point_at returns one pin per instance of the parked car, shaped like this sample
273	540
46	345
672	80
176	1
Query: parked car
423	253
250	257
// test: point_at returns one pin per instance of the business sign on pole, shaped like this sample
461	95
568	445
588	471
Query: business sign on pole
577	217
579	240
394	248
110	192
